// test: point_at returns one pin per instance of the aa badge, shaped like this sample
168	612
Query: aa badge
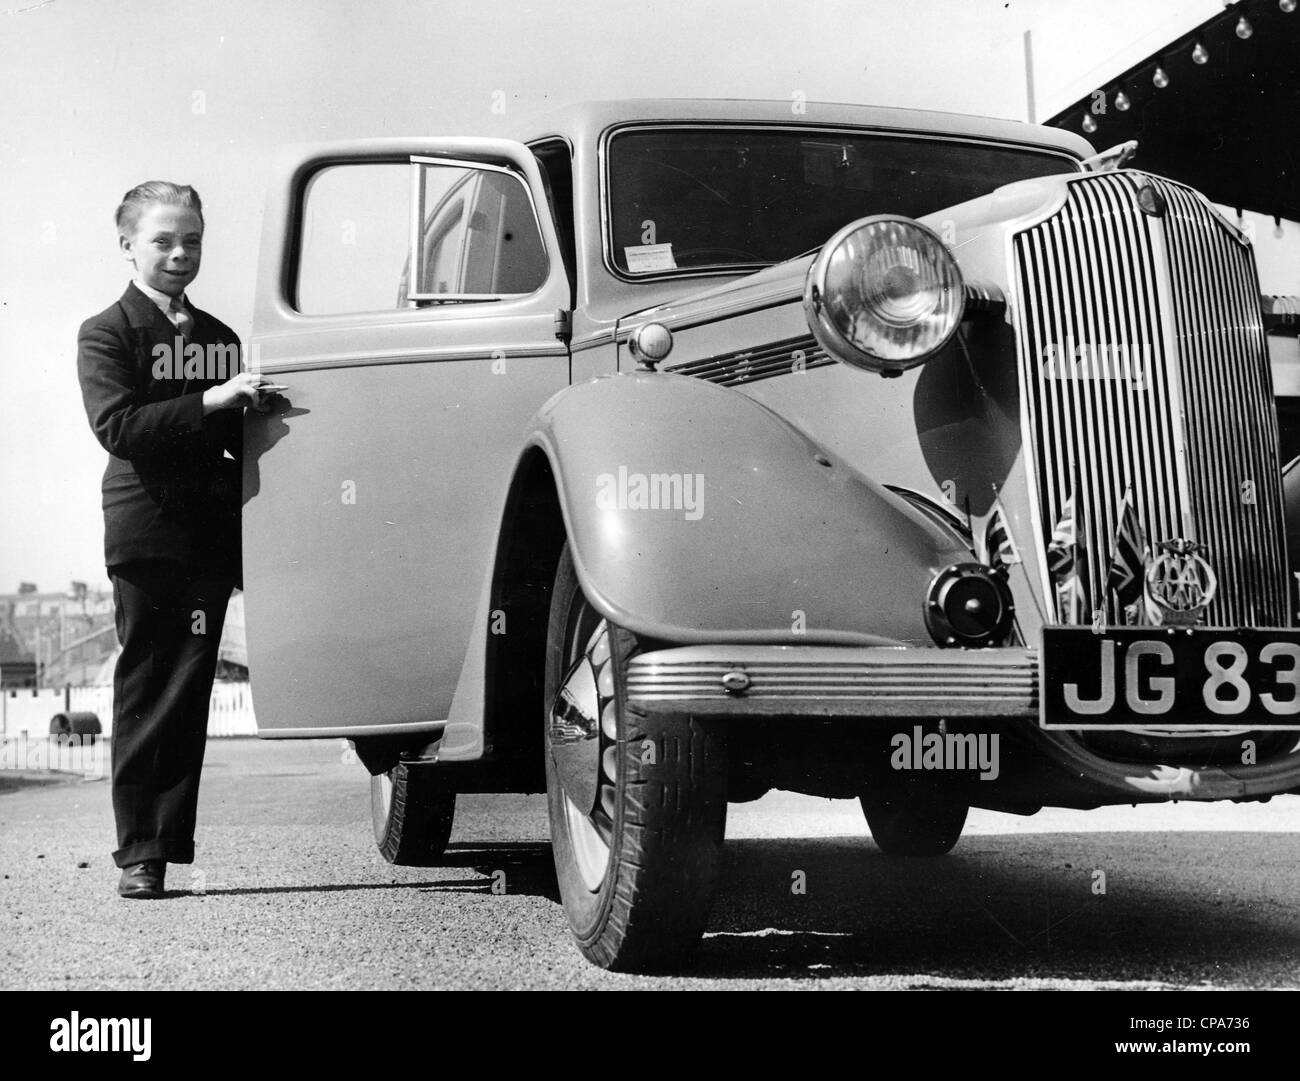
1179	584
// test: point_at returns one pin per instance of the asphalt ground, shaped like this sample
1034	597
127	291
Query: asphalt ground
289	892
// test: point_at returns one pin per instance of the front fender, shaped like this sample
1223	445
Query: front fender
695	514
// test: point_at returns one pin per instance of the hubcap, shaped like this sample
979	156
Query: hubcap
575	735
582	735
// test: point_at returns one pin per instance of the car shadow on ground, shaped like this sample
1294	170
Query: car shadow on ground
1177	909
1157	908
528	866
1173	909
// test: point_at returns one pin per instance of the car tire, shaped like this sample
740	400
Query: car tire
412	811
637	840
914	820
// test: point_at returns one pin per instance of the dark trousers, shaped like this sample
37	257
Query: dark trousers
169	620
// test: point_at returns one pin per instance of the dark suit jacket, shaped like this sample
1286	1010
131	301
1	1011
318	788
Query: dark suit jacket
170	491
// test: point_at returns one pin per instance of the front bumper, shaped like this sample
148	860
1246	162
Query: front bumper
890	683
836	681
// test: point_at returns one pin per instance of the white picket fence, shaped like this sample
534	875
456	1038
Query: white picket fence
230	709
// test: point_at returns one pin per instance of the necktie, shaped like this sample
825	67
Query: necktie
183	319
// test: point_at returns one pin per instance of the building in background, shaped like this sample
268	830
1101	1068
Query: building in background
57	639
46	624
17	665
1218	109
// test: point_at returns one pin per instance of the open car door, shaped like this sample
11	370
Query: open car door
408	299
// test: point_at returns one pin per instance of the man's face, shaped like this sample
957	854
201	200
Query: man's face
166	247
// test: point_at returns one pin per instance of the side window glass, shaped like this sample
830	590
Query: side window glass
504	253
355	238
444	249
471	229
480	238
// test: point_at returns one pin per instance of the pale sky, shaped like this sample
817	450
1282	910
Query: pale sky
98	96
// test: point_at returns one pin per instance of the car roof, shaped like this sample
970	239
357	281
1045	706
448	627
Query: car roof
590	118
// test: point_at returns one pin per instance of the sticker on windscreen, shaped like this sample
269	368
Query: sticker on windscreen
643	258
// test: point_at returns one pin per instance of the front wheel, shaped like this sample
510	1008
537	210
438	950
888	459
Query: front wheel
637	801
412	809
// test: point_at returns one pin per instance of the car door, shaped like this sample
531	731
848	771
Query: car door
408	300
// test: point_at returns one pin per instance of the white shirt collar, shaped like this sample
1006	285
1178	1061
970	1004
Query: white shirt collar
163	301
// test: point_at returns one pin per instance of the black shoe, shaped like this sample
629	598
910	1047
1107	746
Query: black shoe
143	880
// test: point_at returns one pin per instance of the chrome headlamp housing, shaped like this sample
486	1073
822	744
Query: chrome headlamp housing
884	294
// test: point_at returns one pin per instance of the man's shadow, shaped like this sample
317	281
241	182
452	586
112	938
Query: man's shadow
521	868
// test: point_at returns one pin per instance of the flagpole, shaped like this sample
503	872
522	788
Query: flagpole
1020	561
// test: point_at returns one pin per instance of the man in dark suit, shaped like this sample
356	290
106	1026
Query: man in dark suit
161	384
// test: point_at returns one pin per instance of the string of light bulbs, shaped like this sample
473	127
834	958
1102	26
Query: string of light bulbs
1160	76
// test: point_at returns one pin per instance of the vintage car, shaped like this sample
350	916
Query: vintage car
691	449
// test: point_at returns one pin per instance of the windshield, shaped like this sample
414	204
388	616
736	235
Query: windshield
686	198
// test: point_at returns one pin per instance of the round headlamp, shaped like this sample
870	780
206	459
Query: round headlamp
884	294
969	605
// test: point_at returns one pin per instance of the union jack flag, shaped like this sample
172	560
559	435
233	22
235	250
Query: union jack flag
1128	555
1066	561
999	546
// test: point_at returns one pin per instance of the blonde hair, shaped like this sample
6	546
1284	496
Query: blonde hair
155	191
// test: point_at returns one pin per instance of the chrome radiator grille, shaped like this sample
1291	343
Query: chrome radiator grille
1144	366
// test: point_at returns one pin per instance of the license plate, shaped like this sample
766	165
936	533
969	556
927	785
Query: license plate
1155	677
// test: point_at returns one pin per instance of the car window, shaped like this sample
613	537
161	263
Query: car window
355	237
444	246
555	159
481	237
478	239
687	198
503	252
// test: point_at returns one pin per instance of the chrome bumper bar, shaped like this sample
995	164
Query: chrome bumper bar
868	683
836	681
